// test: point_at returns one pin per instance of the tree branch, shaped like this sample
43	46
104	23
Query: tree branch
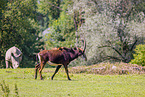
115	58
75	21
133	45
54	5
118	52
113	49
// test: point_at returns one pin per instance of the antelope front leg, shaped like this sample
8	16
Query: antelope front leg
57	68
7	64
66	70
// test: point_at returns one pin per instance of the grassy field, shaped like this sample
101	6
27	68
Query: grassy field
81	85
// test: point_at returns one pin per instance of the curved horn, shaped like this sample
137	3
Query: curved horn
18	55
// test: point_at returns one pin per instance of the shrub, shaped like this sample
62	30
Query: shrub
5	89
139	56
16	91
109	69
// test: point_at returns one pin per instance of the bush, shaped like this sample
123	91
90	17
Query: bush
109	69
139	56
6	90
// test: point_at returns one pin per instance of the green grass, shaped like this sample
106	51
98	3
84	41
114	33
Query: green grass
81	85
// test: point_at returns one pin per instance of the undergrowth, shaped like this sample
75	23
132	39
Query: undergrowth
6	90
108	68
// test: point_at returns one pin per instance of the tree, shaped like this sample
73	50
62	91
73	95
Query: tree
112	28
61	29
48	10
19	27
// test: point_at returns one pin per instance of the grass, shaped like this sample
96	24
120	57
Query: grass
81	85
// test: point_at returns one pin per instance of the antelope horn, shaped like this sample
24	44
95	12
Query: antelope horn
18	55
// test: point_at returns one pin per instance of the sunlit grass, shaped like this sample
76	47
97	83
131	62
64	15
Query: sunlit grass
81	85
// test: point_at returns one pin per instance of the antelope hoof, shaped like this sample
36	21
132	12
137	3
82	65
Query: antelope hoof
41	78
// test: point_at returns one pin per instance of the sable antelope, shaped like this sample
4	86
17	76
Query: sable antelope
13	57
58	57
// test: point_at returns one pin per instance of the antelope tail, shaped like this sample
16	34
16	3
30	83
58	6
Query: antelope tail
37	59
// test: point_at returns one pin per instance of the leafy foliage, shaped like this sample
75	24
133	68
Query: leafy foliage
112	29
48	10
19	27
139	56
61	30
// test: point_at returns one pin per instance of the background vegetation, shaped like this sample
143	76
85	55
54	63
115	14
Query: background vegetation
139	56
112	28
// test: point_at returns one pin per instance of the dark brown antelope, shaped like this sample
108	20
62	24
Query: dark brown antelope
58	57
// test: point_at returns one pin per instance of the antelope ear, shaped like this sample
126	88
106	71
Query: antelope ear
60	48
